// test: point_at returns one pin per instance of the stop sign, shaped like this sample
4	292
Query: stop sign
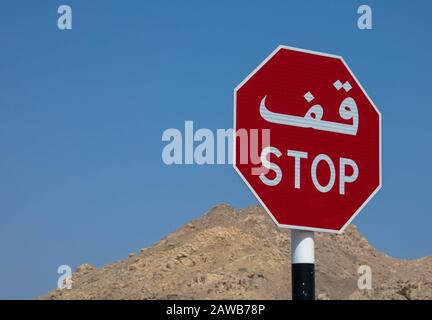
317	159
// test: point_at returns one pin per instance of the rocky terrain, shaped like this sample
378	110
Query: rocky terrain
241	254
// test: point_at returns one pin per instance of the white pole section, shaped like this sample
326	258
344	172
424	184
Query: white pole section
302	246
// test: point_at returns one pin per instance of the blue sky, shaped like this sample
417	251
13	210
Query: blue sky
82	113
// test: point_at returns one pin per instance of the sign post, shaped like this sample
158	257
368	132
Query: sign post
308	145
302	265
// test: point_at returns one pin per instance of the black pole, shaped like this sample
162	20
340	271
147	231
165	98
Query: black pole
302	265
303	281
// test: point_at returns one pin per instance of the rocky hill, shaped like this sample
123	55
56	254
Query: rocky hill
241	254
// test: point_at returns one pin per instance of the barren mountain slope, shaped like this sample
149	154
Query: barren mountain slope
229	254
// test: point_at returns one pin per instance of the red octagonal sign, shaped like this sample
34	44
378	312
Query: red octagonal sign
308	139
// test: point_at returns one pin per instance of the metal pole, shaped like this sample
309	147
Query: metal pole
302	265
